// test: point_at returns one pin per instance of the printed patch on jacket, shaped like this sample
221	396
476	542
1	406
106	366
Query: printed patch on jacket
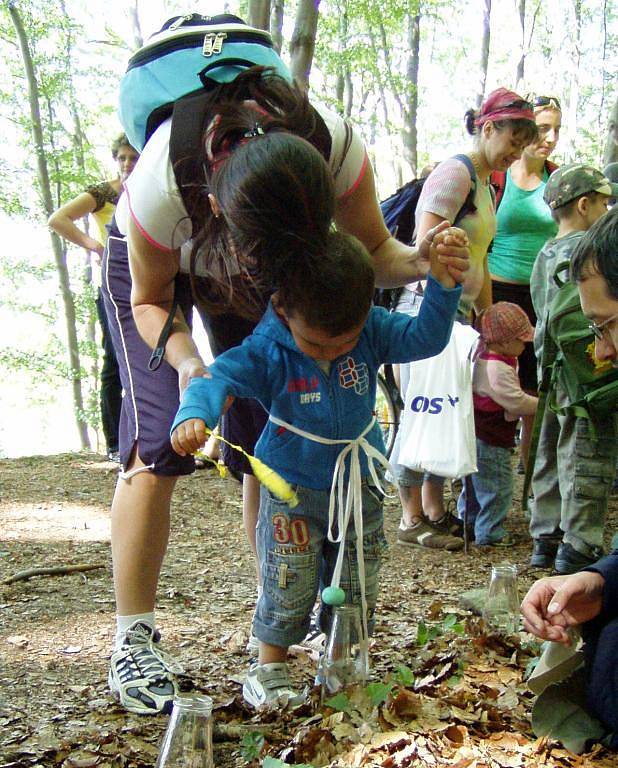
354	376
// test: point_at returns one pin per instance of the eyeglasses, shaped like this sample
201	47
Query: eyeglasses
547	101
598	328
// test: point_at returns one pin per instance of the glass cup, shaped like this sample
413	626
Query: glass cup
188	740
345	660
501	611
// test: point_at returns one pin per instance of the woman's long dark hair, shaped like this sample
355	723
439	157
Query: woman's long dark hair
273	187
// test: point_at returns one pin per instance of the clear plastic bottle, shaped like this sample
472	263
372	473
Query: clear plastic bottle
188	740
345	660
501	611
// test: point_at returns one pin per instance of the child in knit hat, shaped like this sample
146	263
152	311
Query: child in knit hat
499	401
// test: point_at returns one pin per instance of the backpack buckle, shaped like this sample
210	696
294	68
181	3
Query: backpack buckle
213	43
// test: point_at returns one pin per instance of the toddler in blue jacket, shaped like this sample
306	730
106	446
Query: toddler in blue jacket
312	363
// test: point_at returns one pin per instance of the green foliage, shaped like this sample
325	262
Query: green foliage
339	702
403	676
273	762
251	746
379	692
425	634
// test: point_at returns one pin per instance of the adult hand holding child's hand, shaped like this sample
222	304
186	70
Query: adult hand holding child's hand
449	254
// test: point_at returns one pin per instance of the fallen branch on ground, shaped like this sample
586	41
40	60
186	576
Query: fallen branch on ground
57	570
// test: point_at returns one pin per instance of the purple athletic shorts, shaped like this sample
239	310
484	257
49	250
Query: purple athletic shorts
150	398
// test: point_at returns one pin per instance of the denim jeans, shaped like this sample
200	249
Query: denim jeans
492	489
296	559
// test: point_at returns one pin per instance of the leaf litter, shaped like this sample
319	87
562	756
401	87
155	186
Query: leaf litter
444	692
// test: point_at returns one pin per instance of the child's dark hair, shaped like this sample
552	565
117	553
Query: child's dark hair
522	130
335	292
274	188
596	252
120	141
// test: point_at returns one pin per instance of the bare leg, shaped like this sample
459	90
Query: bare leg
250	509
411	506
140	531
433	500
272	654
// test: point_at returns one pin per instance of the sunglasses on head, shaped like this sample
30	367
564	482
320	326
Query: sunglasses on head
547	101
517	104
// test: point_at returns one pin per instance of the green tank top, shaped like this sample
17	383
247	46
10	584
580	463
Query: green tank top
524	224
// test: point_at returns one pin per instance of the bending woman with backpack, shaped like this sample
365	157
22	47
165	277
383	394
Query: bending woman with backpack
237	238
458	191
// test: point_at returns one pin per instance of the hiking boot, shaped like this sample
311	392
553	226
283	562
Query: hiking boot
141	676
423	534
508	540
268	686
543	553
569	560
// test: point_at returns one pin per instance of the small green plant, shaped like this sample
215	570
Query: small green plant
251	746
403	676
425	634
338	702
379	692
274	762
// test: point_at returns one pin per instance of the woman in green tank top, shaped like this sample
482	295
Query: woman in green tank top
524	224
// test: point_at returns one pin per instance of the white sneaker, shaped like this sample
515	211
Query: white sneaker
141	676
268	686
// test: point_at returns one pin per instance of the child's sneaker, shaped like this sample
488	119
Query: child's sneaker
268	686
141	676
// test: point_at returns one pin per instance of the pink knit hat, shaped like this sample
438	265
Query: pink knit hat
505	321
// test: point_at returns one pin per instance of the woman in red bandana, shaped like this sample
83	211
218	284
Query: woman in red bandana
502	128
225	254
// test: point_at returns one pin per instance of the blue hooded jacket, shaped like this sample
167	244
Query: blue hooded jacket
291	386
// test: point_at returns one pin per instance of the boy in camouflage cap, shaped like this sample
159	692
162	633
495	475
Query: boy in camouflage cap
572	473
570	182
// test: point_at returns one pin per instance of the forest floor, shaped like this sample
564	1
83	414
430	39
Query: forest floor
445	693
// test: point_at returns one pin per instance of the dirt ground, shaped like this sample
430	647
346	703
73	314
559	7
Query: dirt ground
469	705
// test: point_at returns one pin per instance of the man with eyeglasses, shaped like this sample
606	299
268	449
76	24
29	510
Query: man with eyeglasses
590	598
595	270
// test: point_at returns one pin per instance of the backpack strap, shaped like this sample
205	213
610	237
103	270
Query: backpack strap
156	358
468	204
562	267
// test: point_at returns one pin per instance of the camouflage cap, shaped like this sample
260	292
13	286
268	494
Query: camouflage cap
572	181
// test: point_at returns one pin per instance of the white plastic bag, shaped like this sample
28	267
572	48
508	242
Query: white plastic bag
437	426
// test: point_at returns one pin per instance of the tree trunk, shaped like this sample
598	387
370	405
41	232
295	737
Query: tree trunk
572	111
276	24
138	38
259	14
484	51
611	147
79	140
410	135
303	41
519	74
46	196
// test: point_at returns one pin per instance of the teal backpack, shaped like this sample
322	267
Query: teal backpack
188	56
568	362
